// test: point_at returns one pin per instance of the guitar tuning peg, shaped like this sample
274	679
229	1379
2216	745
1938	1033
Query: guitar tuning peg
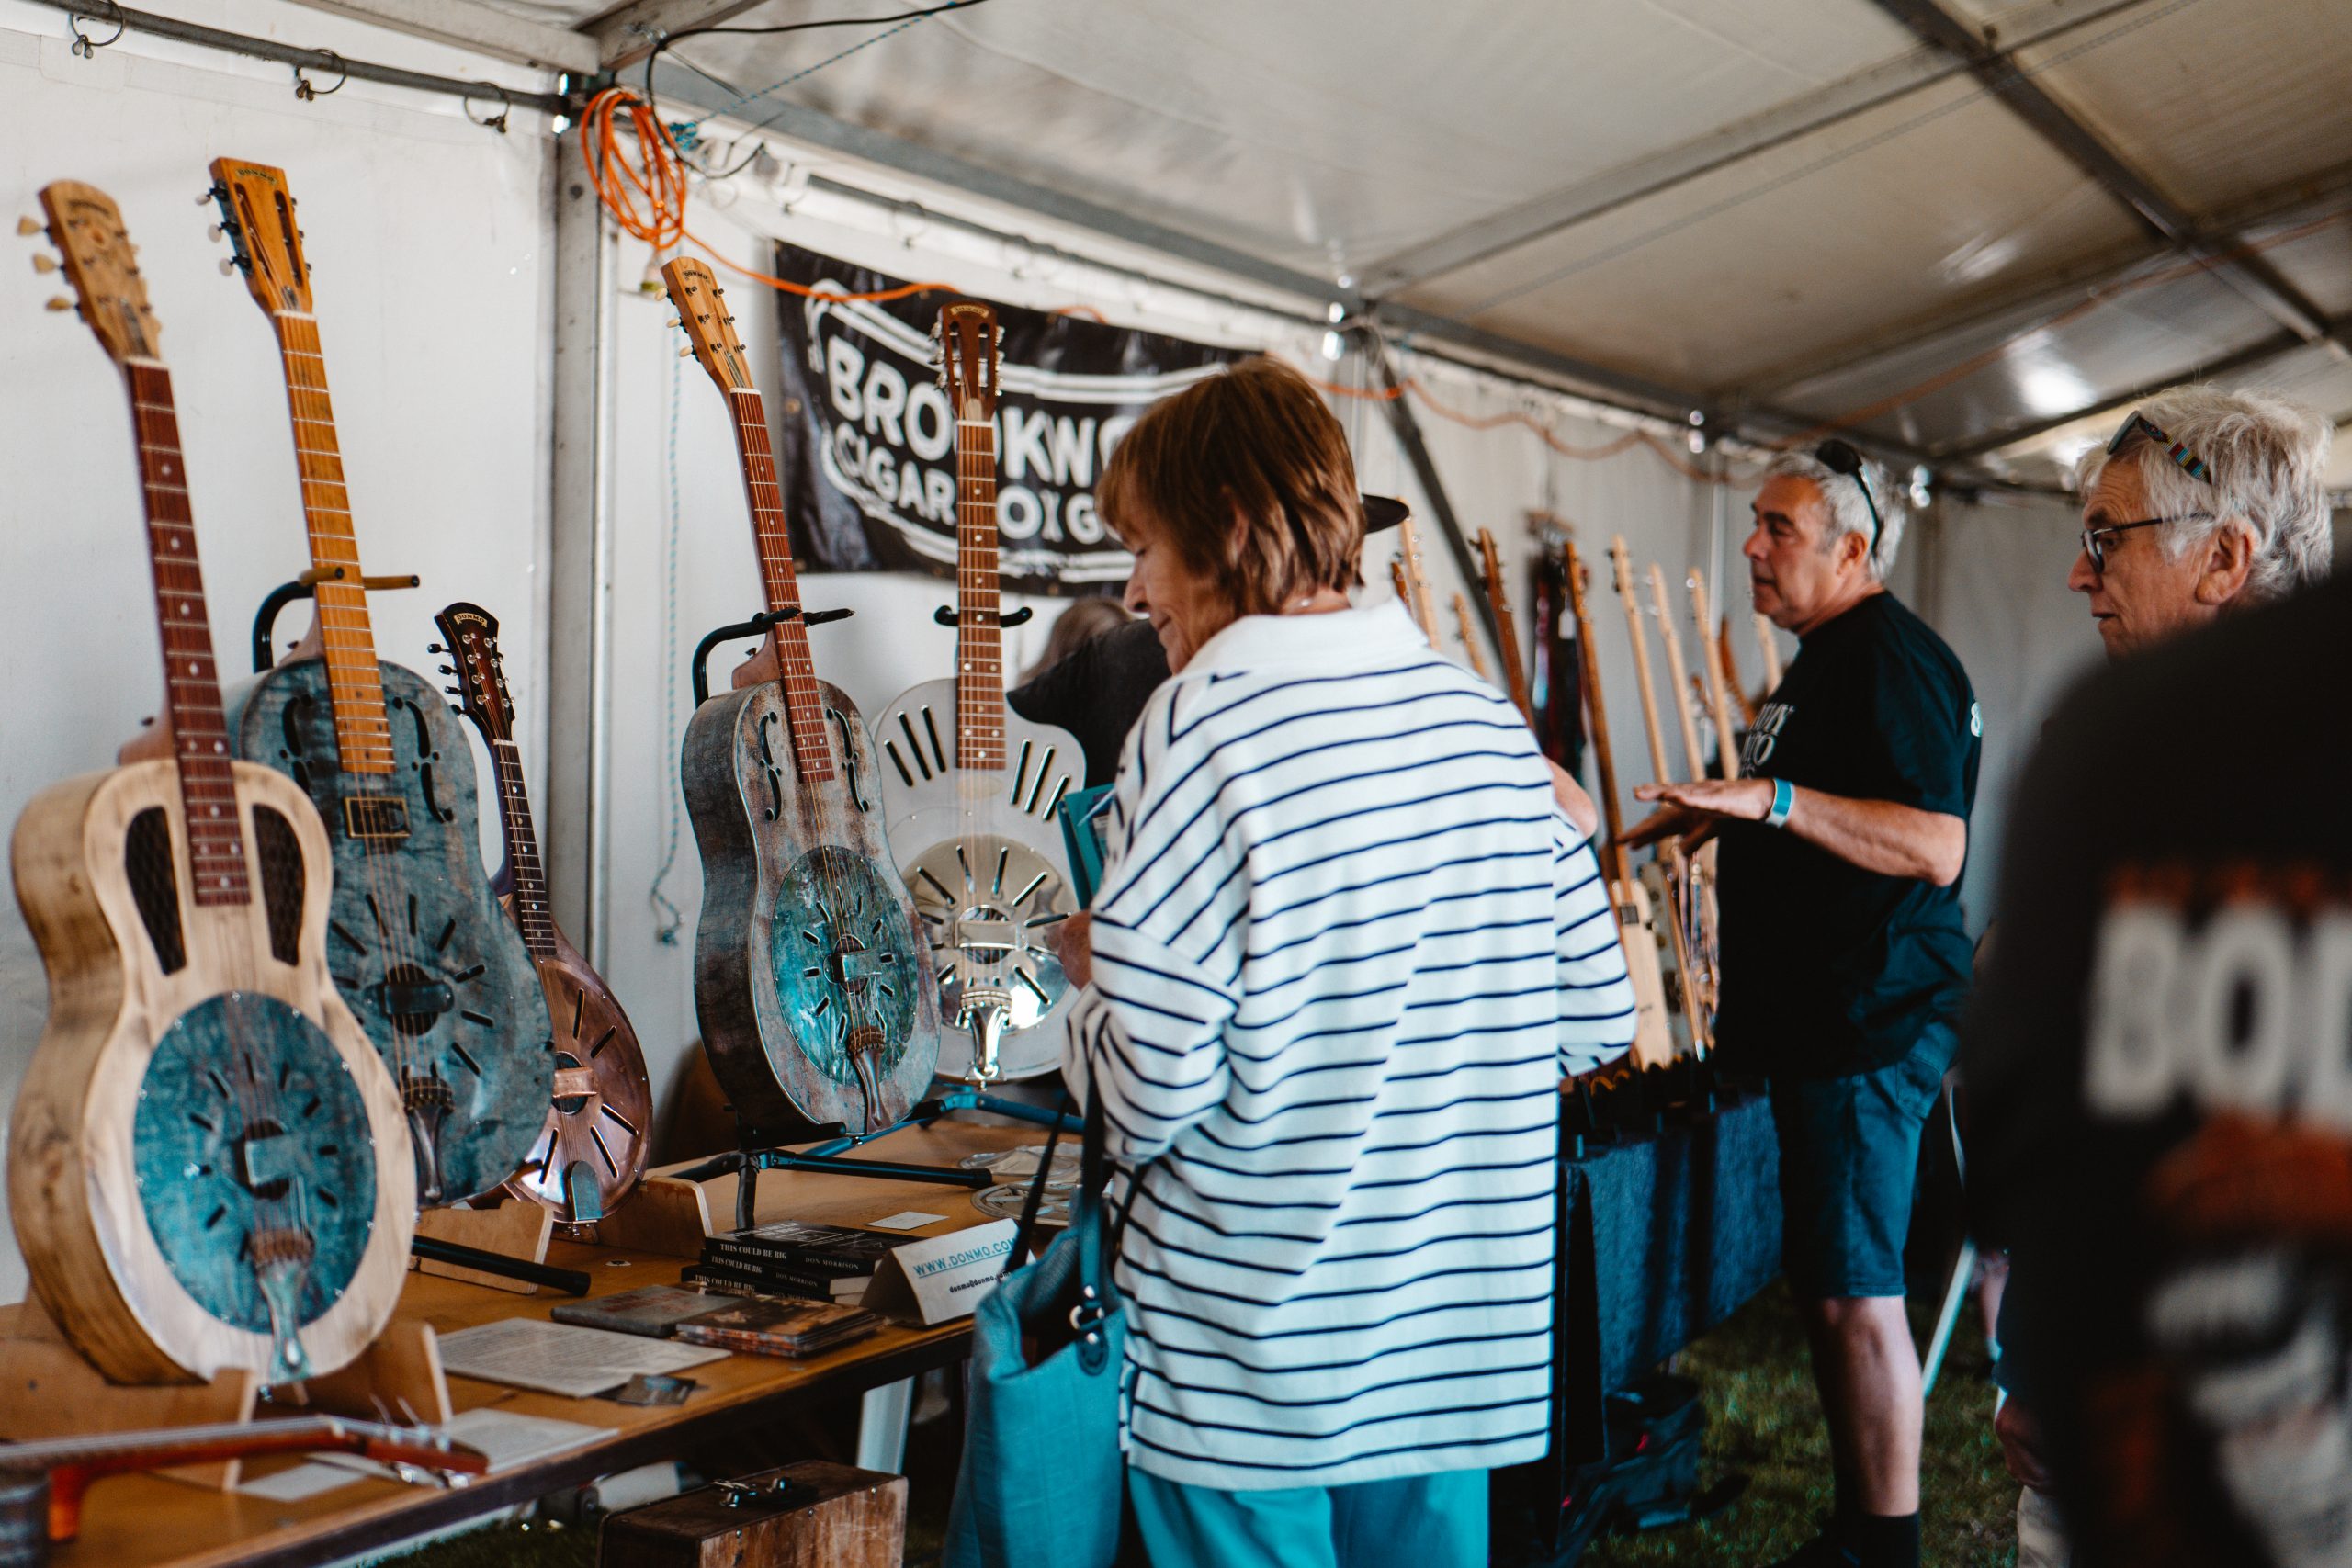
210	192
673	322
43	263
215	233
448	669
29	226
434	648
228	266
686	353
60	303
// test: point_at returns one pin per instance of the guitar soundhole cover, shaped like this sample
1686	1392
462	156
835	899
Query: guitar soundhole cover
155	885
282	882
249	1130
845	964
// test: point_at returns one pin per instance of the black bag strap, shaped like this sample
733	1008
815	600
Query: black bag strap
1028	1226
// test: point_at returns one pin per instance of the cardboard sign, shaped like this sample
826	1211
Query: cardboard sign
940	1278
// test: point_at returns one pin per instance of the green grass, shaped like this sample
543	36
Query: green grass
1763	1420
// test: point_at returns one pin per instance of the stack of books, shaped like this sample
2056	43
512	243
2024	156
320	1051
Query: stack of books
793	1258
762	1326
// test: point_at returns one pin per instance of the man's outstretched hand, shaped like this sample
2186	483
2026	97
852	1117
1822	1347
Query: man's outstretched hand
1693	810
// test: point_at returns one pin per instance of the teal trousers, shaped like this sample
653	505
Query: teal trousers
1425	1521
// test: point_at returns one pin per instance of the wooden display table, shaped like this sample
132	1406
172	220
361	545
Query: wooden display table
145	1521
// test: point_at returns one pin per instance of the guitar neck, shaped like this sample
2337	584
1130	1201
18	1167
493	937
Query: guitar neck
1603	761
812	752
1507	630
980	635
523	865
363	735
191	681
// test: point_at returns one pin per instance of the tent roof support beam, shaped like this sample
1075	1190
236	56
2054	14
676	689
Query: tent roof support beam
2269	290
477	28
627	33
1663	171
2281	205
2274	347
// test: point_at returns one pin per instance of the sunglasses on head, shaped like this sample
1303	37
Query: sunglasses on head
2189	462
1843	458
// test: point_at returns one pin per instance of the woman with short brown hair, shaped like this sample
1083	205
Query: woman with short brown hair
1344	948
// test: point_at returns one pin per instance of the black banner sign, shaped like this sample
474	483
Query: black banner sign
869	441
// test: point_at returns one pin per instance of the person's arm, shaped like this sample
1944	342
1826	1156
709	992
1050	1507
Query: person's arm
1595	998
1884	836
1160	951
1580	806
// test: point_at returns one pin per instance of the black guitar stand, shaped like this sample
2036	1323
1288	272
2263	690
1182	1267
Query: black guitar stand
758	625
305	587
570	1281
948	616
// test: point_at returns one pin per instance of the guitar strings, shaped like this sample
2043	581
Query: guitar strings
351	643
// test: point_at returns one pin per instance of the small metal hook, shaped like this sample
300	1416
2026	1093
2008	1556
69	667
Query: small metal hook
307	92
83	44
497	123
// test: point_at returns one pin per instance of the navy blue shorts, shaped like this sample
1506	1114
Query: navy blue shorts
1850	1155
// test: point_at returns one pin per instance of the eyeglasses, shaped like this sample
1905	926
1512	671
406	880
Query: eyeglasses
2189	462
1841	457
2093	538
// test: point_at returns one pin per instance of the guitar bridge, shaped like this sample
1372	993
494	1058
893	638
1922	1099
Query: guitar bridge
375	817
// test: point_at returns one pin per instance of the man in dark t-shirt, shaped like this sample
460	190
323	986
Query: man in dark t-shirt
2160	1079
1844	961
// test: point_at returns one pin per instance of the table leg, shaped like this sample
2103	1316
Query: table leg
882	1426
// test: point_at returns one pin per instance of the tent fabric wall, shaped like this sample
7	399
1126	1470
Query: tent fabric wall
430	240
434	240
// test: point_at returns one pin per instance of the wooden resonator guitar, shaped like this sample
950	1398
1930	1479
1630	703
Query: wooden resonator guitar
592	1151
975	828
439	977
815	993
208	1166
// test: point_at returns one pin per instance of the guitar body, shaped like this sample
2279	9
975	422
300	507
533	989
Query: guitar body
200	1083
439	976
600	1121
816	997
982	853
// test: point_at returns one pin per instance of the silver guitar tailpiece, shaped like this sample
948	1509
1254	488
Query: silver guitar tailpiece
983	1015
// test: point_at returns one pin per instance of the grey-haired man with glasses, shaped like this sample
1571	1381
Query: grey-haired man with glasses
2200	503
2203	503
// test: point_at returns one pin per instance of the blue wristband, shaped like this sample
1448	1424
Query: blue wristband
1784	800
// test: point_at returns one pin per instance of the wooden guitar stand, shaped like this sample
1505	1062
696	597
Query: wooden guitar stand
505	1247
47	1390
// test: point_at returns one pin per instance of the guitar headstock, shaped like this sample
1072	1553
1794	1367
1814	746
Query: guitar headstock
710	331
257	217
1623	562
101	265
967	334
473	647
1490	560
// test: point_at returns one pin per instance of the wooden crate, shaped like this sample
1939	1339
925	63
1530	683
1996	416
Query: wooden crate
831	1516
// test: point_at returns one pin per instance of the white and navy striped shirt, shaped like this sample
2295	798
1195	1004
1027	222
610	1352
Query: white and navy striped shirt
1345	947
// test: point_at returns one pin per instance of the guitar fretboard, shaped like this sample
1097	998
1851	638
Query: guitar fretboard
979	637
812	750
191	681
523	865
363	736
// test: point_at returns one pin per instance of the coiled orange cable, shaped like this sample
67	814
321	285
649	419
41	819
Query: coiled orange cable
647	195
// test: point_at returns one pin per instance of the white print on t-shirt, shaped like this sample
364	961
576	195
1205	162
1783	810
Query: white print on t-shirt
2248	1011
1763	736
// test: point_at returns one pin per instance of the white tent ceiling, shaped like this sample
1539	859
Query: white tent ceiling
1964	228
